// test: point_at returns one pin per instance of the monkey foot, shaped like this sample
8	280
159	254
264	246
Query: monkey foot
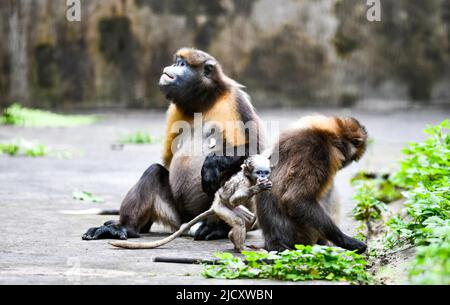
110	230
211	231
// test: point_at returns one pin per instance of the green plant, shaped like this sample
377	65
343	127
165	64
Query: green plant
11	149
432	263
139	137
86	196
368	208
381	185
425	173
427	162
304	263
24	147
22	116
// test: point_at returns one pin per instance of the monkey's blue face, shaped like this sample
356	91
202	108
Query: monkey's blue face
193	82
260	167
177	78
261	173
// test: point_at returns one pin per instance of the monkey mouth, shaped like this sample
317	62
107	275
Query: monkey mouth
168	76
166	80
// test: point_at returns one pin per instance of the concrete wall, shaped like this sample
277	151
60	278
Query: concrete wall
284	50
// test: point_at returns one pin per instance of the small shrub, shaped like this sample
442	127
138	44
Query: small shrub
139	137
368	208
21	116
23	147
304	263
381	185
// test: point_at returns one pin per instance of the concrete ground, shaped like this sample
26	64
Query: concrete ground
42	246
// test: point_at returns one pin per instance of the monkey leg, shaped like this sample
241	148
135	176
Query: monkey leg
238	231
237	236
312	214
149	200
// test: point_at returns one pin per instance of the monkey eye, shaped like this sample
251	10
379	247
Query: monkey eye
356	142
208	69
180	62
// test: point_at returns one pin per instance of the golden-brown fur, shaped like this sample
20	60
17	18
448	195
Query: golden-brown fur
172	193
309	156
173	115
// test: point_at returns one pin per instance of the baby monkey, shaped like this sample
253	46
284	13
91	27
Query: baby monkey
231	204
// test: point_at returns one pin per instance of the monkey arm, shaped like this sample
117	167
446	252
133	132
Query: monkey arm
158	243
243	194
217	169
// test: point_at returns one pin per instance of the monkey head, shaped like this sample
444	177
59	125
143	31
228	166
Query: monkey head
194	76
352	139
257	168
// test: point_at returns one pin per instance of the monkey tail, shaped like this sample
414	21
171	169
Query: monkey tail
159	243
90	212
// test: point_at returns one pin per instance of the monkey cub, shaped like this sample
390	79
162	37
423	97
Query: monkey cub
231	204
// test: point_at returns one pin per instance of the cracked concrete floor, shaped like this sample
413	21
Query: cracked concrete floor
42	246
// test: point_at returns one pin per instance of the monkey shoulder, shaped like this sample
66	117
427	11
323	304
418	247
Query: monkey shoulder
236	182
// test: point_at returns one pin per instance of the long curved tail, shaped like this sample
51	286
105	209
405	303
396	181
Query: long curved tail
90	212
159	243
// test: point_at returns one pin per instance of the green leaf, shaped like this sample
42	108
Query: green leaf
303	263
86	196
22	116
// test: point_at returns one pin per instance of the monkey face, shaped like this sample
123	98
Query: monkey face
261	173
355	137
258	167
194	81
177	78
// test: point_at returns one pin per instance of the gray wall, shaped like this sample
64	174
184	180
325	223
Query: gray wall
286	52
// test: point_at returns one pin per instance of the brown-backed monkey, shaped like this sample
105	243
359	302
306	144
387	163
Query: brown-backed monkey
231	204
309	155
171	193
295	210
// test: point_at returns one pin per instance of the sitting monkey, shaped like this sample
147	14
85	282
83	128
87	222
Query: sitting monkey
231	203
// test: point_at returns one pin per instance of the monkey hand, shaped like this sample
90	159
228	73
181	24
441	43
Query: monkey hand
354	244
264	184
210	176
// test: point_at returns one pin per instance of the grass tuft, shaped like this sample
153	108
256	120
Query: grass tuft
21	116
